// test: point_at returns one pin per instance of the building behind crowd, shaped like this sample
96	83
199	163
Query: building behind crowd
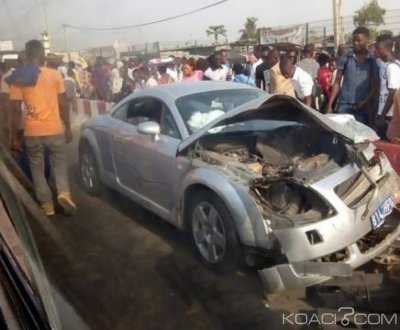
319	33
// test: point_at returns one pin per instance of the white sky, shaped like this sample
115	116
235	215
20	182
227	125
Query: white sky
21	20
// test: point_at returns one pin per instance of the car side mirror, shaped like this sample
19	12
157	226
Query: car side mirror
150	128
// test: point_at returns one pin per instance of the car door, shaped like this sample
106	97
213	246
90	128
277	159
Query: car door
144	165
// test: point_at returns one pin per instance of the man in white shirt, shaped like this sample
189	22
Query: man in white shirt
148	80
389	72
225	64
116	80
171	69
216	71
131	67
257	53
302	82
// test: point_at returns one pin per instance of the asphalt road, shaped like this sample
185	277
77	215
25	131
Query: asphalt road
121	267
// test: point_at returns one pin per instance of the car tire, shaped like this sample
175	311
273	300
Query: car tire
213	233
89	171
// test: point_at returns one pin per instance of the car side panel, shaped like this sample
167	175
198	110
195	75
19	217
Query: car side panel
249	223
98	133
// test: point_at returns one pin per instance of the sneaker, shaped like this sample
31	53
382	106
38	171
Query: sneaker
65	201
48	209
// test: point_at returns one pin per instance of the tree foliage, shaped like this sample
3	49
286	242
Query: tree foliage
370	15
216	31
250	31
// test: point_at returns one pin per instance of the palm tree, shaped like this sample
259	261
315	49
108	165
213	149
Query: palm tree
249	33
216	31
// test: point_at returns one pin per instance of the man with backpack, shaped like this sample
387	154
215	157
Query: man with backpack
46	125
389	71
357	80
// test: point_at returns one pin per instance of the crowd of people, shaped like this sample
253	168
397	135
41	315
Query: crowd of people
112	82
362	80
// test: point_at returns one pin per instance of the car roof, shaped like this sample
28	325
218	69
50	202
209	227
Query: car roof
178	90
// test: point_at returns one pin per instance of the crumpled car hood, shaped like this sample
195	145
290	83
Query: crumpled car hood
344	125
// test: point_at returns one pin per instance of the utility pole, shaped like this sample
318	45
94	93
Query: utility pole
307	31
46	21
337	22
66	42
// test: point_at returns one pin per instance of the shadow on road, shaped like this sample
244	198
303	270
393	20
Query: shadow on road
122	267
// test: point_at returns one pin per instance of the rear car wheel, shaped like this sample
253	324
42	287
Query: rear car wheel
213	232
89	171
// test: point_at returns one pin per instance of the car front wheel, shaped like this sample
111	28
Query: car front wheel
213	232
89	171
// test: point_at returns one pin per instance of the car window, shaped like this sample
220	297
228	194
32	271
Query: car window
197	110
139	111
120	112
168	125
144	110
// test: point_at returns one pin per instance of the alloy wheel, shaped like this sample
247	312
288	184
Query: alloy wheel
208	232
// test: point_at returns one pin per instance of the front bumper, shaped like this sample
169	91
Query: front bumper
343	232
289	276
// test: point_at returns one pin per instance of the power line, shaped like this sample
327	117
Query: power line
145	24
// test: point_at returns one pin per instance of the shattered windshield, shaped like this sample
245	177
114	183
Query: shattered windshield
198	110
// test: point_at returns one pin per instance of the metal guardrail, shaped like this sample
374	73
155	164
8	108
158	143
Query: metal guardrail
21	209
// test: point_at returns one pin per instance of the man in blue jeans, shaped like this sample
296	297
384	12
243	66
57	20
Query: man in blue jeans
357	80
46	126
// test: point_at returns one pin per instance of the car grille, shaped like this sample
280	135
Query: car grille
376	237
357	190
338	256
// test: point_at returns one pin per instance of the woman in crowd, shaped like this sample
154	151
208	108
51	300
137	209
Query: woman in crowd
189	71
101	77
333	68
325	75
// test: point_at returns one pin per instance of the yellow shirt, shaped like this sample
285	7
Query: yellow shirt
43	113
279	84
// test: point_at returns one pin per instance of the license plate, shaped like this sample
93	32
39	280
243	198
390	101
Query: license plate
378	218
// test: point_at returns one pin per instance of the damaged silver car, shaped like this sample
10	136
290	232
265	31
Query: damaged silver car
264	180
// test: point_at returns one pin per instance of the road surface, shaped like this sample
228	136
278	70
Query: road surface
121	267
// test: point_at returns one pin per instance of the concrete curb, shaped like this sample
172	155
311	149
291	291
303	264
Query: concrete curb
82	110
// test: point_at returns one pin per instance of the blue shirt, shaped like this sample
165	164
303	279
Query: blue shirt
357	77
241	78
